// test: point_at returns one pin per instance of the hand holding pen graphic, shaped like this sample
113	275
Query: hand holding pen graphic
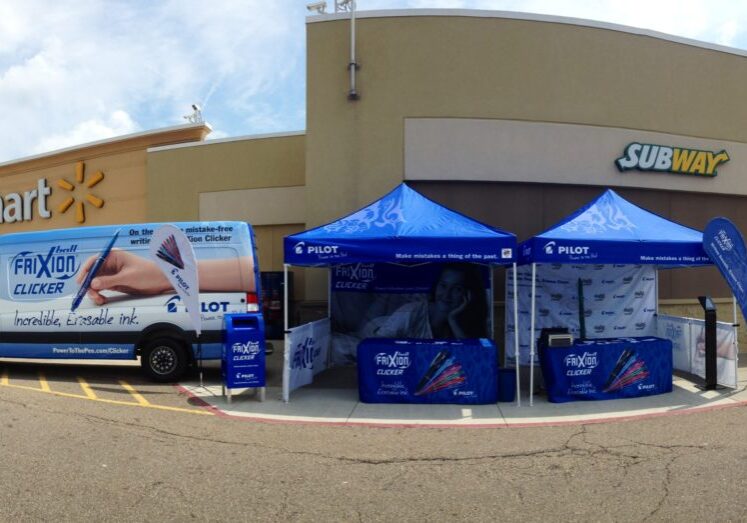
86	277
123	271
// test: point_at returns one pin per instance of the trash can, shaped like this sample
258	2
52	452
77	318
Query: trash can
243	354
506	385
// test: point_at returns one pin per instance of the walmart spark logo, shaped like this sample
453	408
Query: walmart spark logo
80	179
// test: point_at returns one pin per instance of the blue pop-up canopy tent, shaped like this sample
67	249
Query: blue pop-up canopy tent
401	227
611	230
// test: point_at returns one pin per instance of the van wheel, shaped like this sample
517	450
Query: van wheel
164	359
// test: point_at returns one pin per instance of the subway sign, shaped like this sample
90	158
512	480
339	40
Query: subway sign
676	160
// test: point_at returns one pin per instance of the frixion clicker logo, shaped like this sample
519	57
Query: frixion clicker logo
627	279
678	160
580	364
304	354
354	276
600	297
35	275
392	364
628	311
245	351
556	297
638	294
640	325
544	312
724	242
59	263
599	329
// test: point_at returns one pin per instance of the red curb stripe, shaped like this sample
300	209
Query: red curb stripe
505	425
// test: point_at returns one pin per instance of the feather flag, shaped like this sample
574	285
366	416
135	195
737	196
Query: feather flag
174	255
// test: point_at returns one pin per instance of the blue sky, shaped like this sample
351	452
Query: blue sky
83	70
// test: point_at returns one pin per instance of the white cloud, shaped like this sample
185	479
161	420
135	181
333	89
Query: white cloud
117	124
67	69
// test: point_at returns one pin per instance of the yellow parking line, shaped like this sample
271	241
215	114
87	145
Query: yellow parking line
4	377
112	402
43	382
87	389
135	394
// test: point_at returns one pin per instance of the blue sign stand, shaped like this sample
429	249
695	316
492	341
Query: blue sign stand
243	354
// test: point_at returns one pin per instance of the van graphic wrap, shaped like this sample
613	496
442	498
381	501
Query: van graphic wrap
127	294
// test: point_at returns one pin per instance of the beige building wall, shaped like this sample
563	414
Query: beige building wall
257	179
93	184
488	67
178	175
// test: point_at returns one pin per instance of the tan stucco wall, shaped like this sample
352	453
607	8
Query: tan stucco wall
494	68
177	176
121	160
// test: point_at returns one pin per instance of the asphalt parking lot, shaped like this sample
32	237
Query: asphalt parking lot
120	384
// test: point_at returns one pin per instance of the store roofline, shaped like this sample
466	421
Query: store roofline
532	17
107	141
225	140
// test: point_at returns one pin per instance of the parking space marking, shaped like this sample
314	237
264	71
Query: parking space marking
43	382
140	400
135	394
87	389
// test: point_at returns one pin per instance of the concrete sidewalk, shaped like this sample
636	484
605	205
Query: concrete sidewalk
333	399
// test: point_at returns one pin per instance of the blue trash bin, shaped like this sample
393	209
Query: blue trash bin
506	385
243	354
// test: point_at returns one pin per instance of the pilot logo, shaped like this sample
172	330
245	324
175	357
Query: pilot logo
80	179
549	248
171	305
298	248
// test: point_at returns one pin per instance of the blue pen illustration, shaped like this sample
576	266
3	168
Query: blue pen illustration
92	272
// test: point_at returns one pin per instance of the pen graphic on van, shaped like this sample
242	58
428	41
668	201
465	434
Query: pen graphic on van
92	272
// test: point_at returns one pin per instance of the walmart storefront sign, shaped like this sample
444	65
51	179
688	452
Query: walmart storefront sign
677	160
19	206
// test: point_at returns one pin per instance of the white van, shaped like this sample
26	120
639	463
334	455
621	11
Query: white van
129	309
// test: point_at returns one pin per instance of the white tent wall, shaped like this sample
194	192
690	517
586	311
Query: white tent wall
688	347
619	301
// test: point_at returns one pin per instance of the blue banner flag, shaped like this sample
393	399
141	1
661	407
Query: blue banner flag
725	246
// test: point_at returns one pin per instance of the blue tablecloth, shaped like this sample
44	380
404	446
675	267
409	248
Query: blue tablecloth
607	369
427	371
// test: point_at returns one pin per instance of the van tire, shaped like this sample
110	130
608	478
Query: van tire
164	359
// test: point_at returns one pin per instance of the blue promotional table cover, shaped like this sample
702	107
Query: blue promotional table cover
427	371
607	369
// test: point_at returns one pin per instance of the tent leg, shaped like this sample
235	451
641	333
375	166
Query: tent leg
531	340
286	342
516	339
